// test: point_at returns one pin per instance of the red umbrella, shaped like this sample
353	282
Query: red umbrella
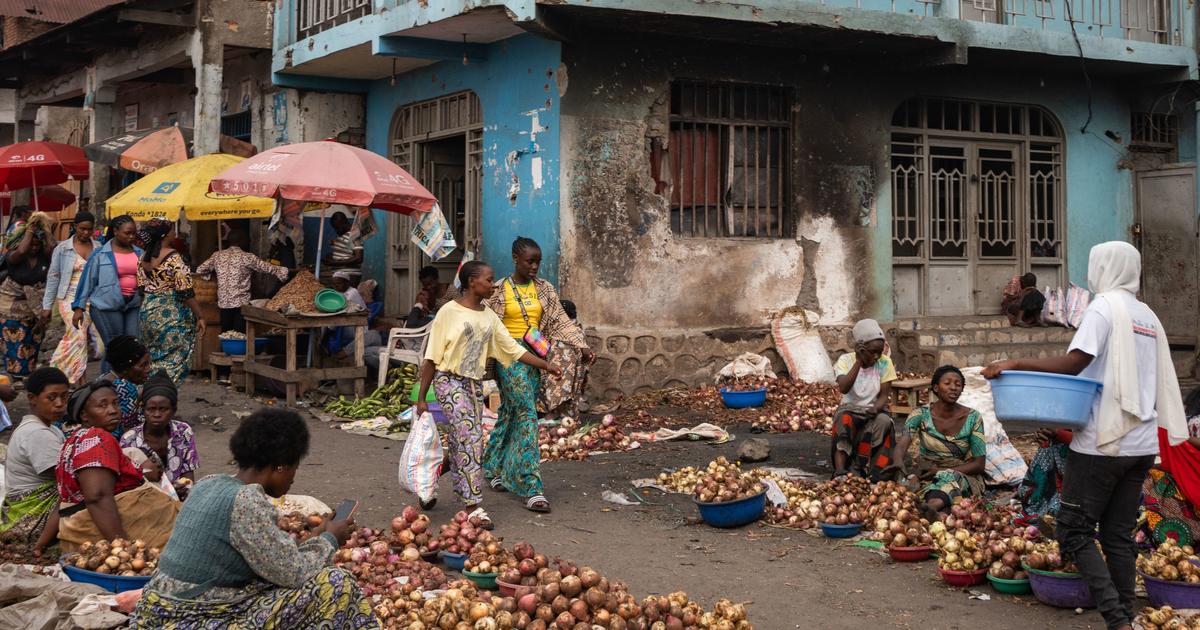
326	172
46	198
29	164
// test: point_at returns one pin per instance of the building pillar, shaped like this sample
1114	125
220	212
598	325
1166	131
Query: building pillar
101	110
208	58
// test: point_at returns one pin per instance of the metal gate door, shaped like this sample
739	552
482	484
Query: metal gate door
1166	207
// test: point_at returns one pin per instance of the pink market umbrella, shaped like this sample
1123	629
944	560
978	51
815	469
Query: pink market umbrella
327	173
30	164
46	198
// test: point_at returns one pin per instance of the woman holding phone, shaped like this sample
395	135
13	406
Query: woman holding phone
229	565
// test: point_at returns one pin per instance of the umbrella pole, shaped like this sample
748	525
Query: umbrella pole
33	174
320	242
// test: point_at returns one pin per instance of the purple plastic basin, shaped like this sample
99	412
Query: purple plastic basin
1175	594
1062	590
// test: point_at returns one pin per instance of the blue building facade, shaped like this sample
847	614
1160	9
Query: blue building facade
694	167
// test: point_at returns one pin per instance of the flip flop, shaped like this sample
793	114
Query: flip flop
497	485
537	503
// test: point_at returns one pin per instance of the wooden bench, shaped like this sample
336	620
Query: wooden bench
906	395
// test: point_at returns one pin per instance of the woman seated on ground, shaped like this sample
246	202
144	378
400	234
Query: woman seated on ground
30	515
104	495
170	439
863	432
229	565
1171	492
952	450
130	364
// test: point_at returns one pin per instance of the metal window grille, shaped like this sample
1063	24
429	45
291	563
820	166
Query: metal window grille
1045	199
730	160
1155	132
236	125
315	16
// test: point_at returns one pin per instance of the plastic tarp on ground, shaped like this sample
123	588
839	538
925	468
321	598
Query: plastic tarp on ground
1004	465
36	602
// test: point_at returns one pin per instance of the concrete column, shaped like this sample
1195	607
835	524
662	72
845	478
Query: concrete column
208	57
101	126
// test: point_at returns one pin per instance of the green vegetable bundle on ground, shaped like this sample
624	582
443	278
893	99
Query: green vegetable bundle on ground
390	400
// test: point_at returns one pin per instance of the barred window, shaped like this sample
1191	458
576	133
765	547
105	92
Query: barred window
1155	132
730	160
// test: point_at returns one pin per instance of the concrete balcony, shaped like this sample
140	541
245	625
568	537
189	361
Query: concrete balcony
357	40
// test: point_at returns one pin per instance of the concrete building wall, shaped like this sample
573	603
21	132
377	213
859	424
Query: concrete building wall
627	272
518	86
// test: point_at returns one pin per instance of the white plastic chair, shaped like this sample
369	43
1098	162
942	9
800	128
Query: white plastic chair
397	348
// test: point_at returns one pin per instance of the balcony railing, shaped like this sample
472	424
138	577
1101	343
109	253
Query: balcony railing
315	16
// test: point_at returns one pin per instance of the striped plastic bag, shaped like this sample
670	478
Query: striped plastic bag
421	460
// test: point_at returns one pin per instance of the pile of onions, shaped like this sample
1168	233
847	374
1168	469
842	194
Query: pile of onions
459	603
1006	554
959	549
377	569
842	500
411	529
1044	556
528	563
489	557
798	406
1165	618
565	443
460	534
682	480
1170	562
301	527
119	557
19	552
723	481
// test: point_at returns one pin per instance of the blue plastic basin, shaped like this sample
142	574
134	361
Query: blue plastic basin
733	513
237	347
111	583
742	400
848	530
455	561
1053	400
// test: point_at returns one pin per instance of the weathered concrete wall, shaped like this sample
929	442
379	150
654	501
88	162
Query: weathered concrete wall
158	104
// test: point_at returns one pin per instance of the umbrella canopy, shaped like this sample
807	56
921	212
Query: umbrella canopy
184	187
146	150
29	164
46	198
327	172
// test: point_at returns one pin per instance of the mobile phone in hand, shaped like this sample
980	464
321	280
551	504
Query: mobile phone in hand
345	510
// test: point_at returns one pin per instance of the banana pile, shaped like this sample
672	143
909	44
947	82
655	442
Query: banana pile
389	401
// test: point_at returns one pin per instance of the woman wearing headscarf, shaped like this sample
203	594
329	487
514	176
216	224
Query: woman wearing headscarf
531	311
27	262
172	440
171	317
104	495
1122	344
130	362
863	432
108	289
951	448
62	283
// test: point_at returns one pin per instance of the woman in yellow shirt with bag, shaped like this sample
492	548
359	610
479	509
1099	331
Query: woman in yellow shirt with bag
463	337
534	316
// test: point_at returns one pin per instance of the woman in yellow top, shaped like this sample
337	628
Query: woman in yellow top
463	336
524	301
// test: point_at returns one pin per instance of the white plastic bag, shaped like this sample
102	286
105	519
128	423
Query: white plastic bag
800	345
1077	302
1003	465
421	461
746	364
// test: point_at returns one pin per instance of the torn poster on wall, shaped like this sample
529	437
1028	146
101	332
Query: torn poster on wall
432	234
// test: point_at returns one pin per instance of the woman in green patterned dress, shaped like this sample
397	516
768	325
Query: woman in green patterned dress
171	318
227	564
951	446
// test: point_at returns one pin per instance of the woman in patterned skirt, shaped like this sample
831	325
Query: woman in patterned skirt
66	270
21	294
228	565
170	316
464	335
527	305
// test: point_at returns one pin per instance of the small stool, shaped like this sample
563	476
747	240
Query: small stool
906	396
218	359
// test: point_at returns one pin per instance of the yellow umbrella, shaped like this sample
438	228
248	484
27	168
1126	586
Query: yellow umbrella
184	186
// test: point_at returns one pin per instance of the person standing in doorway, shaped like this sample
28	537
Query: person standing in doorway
171	319
62	283
234	268
108	288
532	313
1122	344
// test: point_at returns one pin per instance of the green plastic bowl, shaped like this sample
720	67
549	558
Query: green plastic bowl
1010	587
329	301
416	389
485	581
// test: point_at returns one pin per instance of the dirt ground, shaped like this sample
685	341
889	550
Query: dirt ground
790	579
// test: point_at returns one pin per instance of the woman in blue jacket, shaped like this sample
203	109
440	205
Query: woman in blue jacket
108	290
66	271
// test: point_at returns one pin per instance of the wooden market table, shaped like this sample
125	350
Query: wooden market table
906	395
261	319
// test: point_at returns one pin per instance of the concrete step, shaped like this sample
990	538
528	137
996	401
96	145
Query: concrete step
993	336
952	323
966	356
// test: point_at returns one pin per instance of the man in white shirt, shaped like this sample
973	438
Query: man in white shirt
1100	489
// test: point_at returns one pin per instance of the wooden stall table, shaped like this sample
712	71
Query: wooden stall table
906	395
258	318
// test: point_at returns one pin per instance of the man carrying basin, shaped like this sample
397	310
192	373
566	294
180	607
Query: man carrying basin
1120	343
